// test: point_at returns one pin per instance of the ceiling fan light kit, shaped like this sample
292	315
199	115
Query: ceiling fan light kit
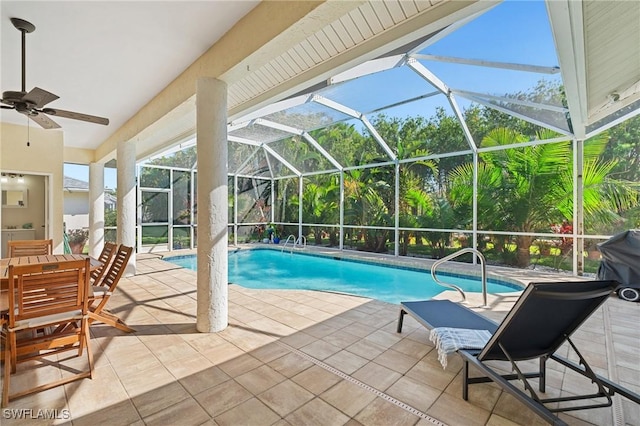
32	103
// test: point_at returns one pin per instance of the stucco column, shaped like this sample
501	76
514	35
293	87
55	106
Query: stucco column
96	208
211	129
126	160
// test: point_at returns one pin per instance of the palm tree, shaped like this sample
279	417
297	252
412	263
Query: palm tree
320	204
526	189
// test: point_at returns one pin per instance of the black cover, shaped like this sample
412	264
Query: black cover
621	259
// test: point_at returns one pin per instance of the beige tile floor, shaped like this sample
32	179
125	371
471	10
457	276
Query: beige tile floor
299	358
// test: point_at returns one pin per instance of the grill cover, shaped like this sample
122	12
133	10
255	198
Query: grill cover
621	259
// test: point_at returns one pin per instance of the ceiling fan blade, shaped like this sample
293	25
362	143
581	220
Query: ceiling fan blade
76	116
7	107
44	121
39	97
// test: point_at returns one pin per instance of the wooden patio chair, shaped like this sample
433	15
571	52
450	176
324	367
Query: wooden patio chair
105	257
20	248
44	296
103	290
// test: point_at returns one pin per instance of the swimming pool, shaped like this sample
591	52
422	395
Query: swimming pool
270	269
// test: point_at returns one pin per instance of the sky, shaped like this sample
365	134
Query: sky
515	31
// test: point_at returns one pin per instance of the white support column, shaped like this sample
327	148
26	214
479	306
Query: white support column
96	208
235	210
474	226
396	225
300	206
341	209
273	202
211	130
126	160
192	229
578	211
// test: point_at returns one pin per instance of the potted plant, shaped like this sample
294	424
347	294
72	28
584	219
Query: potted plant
77	240
272	233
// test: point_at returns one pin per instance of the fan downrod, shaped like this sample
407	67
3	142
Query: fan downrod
22	25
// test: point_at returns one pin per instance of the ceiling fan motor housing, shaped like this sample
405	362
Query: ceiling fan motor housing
12	97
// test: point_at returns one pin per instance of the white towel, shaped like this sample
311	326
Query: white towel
449	340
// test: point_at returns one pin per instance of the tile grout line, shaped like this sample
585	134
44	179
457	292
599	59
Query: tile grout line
618	412
365	386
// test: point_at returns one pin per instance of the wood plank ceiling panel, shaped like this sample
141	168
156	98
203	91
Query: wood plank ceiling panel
286	67
383	14
314	41
342	32
352	29
613	56
326	43
424	5
409	8
396	12
297	63
361	23
371	18
334	38
303	52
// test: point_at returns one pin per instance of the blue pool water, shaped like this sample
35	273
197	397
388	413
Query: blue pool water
270	269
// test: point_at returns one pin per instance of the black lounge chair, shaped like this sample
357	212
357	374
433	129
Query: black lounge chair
543	318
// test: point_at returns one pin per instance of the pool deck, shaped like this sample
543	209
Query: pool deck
296	357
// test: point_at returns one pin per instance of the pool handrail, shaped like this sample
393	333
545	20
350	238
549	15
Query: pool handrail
300	241
287	242
483	267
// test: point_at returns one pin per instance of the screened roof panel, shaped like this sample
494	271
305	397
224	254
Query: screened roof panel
278	169
237	155
301	154
544	88
361	148
259	133
255	164
500	119
513	31
375	91
554	120
425	127
307	116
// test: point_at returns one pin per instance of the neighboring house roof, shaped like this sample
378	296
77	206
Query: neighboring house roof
75	185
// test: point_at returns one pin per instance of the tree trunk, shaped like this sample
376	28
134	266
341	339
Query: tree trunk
404	243
523	255
333	238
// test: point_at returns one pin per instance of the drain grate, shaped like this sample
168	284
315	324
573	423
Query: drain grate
365	386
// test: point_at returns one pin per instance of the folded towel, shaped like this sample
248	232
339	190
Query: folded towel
449	340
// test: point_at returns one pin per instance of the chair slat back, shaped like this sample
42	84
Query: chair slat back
544	316
20	248
120	260
39	290
105	257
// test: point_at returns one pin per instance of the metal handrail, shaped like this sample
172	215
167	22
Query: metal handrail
287	241
455	287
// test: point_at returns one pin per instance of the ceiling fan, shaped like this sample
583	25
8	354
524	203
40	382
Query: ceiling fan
31	103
